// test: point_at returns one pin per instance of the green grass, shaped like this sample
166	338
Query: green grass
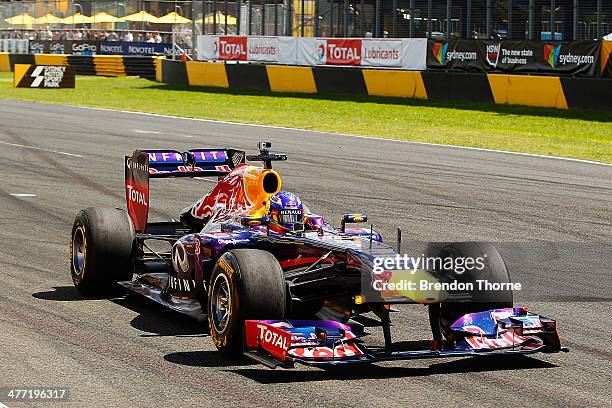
584	135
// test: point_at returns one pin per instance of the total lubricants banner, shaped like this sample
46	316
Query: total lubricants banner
393	53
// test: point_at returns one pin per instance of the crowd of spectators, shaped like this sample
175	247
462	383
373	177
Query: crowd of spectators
87	34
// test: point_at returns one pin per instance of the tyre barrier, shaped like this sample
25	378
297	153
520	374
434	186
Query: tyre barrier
501	89
100	65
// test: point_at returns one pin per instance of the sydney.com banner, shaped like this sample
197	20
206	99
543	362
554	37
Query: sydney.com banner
538	57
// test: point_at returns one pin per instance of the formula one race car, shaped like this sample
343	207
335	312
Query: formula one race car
279	284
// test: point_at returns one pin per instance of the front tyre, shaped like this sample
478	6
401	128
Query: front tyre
494	271
244	284
102	248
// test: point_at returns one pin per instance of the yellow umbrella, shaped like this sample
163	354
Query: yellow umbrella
47	19
141	16
220	19
173	18
21	19
103	17
77	18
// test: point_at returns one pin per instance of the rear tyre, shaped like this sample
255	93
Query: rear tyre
244	284
494	271
102	248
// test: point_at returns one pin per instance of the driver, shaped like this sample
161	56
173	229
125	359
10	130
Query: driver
286	212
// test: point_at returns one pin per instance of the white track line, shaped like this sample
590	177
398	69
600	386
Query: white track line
480	149
42	149
152	132
23	195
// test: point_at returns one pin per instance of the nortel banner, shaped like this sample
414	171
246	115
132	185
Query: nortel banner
393	53
538	57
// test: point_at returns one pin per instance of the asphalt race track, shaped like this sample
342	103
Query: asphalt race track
128	352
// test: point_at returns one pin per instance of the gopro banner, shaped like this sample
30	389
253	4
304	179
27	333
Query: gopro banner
539	57
43	76
392	53
74	47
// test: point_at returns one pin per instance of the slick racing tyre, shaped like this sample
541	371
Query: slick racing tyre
494	271
102	247
244	284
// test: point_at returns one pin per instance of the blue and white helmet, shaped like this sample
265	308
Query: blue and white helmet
286	212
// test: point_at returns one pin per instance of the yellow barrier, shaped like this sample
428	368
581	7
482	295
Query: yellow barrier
291	79
206	74
109	65
50	59
5	62
527	90
407	84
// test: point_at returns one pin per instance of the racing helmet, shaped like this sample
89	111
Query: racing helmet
286	212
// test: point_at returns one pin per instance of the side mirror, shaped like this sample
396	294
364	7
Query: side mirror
254	222
352	219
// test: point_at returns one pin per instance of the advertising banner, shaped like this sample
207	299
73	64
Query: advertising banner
307	52
83	47
43	76
338	51
264	49
456	55
224	48
144	48
207	47
392	53
230	48
379	53
39	47
111	48
75	47
134	48
414	54
569	58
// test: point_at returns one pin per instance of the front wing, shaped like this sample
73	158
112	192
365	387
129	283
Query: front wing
282	343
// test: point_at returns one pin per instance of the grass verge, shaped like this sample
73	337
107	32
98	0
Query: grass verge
583	135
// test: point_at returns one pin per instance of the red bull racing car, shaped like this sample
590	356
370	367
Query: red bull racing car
278	283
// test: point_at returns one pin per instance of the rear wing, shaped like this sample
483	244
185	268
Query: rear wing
159	163
193	163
